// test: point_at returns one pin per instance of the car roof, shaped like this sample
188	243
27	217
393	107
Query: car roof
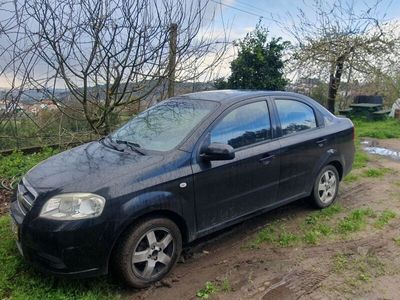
226	97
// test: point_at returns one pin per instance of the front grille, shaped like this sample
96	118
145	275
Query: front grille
26	195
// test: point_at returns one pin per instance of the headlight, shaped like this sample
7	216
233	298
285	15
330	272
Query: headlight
73	206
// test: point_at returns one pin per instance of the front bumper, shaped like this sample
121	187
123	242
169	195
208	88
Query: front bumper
77	249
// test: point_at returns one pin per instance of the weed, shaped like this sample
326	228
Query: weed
340	262
205	292
17	164
226	286
312	237
324	229
266	234
359	269
384	218
330	211
287	239
355	221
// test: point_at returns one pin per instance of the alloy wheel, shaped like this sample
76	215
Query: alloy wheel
153	254
327	187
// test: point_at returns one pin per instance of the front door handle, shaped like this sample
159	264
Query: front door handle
321	142
266	160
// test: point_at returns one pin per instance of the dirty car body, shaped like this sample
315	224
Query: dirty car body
218	174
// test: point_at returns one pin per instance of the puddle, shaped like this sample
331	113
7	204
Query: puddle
372	147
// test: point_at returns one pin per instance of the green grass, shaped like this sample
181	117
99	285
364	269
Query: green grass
313	230
384	218
321	225
208	290
355	221
385	129
17	164
360	159
340	262
226	286
287	239
19	281
359	269
266	234
374	172
351	178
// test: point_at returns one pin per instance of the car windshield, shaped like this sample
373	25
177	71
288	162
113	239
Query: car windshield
164	126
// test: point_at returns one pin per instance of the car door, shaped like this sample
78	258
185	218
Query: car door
227	190
302	146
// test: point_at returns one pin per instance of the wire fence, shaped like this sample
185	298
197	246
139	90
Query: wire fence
31	144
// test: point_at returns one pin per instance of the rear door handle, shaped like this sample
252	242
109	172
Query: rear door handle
267	159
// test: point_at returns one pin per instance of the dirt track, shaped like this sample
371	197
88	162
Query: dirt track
364	264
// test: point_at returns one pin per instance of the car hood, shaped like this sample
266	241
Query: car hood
88	168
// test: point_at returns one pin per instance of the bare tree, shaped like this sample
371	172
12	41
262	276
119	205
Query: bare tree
342	39
109	54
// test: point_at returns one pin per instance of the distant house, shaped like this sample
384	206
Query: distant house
45	104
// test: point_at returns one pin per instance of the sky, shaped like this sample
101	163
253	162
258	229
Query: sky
241	16
237	17
244	14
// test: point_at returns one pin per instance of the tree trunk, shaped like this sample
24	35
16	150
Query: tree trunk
334	82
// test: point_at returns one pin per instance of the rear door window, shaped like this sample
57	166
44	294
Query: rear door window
295	116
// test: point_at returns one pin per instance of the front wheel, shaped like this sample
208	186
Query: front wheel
326	187
148	252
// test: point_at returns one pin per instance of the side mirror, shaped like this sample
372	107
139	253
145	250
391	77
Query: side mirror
218	151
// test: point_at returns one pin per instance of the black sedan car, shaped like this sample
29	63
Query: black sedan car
184	168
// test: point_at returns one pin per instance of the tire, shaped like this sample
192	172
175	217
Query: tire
326	187
147	252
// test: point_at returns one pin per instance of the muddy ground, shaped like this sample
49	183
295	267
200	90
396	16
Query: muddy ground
4	201
364	264
241	263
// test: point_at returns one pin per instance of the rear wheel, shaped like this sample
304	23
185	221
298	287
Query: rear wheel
326	187
148	252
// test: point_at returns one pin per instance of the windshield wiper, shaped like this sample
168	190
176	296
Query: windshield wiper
110	143
134	146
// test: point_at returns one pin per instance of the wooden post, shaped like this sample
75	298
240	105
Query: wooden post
173	33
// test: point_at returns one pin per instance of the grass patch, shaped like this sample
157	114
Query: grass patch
287	239
351	178
357	270
313	229
340	262
321	225
374	172
266	234
360	158
312	237
355	221
226	286
385	129
397	241
17	164
19	281
208	289
384	218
